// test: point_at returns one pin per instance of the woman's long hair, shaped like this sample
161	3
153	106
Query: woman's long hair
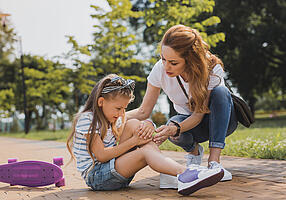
199	62
99	122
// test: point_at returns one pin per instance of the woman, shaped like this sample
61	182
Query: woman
205	109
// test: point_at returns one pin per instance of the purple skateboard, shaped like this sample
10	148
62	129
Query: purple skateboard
32	173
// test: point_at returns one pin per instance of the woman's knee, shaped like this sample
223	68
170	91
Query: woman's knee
220	90
220	93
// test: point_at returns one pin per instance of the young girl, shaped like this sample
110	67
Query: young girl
108	153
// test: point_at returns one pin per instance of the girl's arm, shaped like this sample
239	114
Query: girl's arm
104	154
149	101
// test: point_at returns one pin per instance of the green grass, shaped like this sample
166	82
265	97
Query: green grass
60	135
265	139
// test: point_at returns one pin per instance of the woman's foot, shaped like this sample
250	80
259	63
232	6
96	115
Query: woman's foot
195	159
227	175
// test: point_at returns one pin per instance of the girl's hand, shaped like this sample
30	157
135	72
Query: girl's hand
163	132
146	129
140	141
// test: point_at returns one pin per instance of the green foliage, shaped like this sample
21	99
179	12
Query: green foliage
45	81
6	97
270	102
113	41
254	52
161	15
114	47
81	76
46	88
8	70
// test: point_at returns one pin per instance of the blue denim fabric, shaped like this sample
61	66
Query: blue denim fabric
104	177
215	126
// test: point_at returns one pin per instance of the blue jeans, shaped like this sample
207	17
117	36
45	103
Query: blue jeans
215	126
104	177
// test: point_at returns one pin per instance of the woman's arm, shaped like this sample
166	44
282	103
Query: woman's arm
104	154
149	101
165	131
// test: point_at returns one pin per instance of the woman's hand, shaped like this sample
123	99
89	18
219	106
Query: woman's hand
163	132
146	129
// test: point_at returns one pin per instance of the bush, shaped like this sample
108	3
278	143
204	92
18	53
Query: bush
159	118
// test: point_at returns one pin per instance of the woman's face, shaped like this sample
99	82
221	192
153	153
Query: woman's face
174	64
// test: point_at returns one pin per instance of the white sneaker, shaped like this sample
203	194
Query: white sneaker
171	182
227	175
192	180
168	182
192	159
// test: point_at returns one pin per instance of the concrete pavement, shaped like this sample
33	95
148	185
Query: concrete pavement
252	178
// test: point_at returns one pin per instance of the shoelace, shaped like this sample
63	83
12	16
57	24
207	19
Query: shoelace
198	167
213	165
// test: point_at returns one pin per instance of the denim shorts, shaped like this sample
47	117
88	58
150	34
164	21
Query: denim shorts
104	177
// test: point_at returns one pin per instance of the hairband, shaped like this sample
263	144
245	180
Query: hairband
129	84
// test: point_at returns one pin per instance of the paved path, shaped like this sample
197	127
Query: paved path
252	178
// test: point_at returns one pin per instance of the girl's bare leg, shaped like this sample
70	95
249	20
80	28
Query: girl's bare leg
128	130
149	154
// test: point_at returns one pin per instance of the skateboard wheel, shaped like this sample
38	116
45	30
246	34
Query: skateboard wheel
12	160
59	161
61	183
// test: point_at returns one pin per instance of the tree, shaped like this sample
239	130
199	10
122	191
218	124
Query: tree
159	16
8	69
114	47
46	88
82	75
254	51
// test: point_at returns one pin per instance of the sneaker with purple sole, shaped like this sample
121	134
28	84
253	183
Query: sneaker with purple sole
192	180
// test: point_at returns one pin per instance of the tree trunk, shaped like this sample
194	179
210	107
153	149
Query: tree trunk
252	102
28	121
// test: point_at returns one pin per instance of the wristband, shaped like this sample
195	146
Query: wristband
178	128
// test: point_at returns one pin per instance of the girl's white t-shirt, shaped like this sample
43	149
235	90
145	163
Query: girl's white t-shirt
171	87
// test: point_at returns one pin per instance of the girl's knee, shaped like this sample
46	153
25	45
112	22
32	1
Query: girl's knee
132	124
150	145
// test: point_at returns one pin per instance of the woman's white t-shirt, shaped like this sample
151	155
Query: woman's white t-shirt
171	87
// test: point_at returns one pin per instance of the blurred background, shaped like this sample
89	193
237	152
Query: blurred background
53	52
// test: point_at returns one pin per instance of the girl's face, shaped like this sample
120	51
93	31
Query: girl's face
174	64
113	108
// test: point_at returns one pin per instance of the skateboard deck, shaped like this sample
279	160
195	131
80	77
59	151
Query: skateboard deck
31	173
